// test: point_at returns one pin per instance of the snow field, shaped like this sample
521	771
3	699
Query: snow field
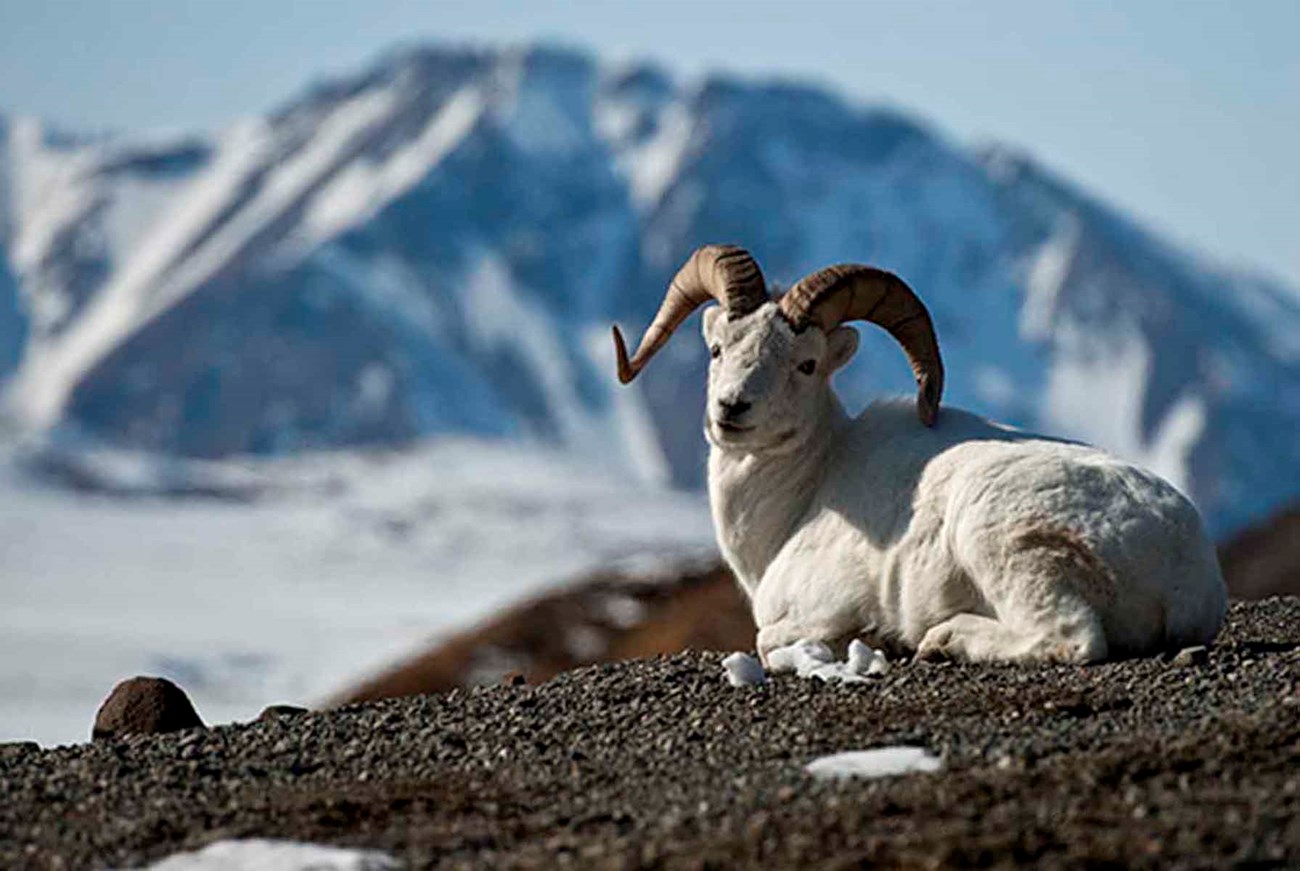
342	565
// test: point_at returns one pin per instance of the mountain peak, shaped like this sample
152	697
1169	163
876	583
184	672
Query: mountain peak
437	245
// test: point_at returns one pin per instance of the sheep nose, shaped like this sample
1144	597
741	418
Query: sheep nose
734	408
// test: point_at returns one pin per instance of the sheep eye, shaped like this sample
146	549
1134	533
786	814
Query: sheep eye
808	367
715	352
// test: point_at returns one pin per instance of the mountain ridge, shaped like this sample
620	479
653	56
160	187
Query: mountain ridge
437	244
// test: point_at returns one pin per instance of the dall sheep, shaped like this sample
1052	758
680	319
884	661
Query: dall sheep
950	535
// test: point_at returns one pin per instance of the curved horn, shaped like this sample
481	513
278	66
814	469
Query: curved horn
850	291
715	272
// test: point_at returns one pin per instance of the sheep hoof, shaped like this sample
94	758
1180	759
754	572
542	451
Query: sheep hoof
937	645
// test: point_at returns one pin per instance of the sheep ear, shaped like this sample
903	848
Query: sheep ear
708	319
841	344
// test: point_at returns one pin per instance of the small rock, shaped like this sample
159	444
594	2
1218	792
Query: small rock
144	706
18	748
744	670
879	664
275	712
1198	655
860	657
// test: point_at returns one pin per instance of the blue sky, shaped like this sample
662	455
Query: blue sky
1184	112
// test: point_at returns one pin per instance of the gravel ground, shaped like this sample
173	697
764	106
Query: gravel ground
661	763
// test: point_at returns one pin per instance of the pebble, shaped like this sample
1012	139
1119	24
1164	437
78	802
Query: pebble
1198	655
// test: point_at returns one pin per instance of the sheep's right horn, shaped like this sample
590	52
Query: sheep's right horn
850	291
715	272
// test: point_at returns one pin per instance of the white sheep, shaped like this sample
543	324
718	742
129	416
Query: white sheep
950	535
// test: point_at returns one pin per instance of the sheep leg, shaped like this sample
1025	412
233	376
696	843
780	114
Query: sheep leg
1043	590
970	637
975	638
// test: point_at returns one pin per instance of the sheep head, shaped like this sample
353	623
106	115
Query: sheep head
768	382
769	367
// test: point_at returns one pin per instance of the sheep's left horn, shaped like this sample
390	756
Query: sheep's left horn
850	291
715	272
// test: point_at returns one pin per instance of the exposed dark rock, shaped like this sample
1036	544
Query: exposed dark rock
144	706
1198	655
273	712
17	748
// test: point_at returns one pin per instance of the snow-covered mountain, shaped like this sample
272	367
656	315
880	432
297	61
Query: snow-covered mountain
439	244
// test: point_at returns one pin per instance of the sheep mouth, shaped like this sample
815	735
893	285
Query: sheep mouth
731	428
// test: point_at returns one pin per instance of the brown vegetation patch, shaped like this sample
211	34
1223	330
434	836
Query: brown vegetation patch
611	616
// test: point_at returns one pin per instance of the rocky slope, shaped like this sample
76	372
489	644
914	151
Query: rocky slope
659	763
438	245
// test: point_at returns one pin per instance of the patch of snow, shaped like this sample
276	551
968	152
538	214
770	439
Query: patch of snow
744	670
616	121
1047	275
809	658
621	612
585	643
1169	451
878	762
46	195
359	190
374	387
265	854
51	370
498	314
801	657
863	660
134	208
646	569
158	277
1095	391
652	166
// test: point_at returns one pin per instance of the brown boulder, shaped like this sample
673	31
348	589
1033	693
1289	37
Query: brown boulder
144	706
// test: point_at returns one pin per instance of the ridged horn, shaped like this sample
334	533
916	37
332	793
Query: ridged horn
851	291
714	272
